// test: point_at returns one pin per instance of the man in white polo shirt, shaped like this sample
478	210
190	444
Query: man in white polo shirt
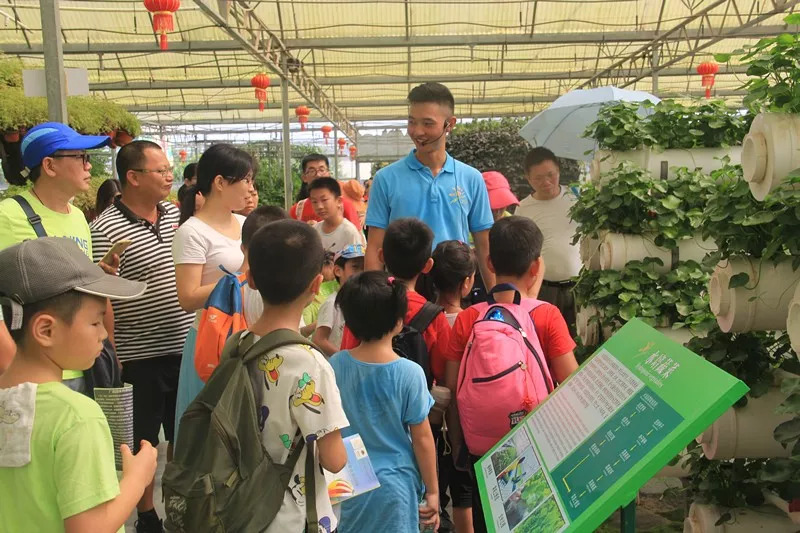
548	207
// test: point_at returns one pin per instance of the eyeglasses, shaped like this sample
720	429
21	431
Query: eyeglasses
86	158
316	170
164	171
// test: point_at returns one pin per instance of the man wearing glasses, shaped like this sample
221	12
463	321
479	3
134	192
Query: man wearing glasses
57	164
316	166
149	330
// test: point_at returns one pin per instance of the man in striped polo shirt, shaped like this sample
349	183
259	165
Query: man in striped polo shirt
149	332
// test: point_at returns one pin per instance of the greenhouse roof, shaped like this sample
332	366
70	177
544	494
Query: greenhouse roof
357	59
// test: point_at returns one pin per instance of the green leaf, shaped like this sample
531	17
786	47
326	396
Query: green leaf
631	285
788	431
790	405
794	18
739	280
671	202
759	218
777	470
722	58
628	311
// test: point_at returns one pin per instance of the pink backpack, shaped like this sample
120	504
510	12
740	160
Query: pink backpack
503	373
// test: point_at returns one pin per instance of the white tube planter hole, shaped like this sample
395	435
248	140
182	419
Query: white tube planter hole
770	151
762	304
746	432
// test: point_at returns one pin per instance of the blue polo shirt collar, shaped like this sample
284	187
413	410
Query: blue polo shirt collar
415	164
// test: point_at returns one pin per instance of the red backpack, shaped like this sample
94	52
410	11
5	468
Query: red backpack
222	316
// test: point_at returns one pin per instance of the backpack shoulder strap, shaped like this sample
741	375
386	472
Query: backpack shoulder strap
273	341
312	520
33	219
425	316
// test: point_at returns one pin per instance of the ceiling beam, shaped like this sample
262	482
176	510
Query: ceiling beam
361	121
730	19
576	75
240	22
418	41
489	100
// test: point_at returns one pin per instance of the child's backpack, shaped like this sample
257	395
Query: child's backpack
409	342
222	316
221	478
503	374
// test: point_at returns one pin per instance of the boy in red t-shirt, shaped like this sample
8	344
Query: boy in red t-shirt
406	253
515	245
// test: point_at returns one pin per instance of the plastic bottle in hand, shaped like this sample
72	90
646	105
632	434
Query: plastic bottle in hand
423	527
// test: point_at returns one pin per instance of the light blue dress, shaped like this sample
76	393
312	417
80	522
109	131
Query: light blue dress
381	402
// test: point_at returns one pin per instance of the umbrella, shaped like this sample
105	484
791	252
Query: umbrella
560	127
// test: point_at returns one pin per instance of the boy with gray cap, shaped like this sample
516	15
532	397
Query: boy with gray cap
56	453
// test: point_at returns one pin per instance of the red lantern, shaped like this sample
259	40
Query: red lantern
326	132
353	151
341	142
182	154
708	70
261	82
302	113
162	11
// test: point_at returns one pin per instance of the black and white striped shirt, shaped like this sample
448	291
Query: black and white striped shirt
153	324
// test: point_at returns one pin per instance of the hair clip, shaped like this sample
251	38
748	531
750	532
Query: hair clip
390	279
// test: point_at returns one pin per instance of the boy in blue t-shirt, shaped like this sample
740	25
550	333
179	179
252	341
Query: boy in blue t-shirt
387	402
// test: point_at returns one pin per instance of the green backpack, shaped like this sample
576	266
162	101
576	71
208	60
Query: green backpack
221	478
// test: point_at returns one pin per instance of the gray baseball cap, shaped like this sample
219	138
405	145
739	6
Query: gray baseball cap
39	269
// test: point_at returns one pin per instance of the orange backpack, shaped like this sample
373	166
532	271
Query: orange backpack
222	316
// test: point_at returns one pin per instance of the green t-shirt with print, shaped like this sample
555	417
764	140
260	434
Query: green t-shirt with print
16	228
71	467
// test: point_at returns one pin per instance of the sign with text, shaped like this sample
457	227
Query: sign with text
593	443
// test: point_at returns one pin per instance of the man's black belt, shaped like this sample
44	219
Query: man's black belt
565	283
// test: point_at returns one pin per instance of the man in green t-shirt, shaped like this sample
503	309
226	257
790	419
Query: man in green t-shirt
57	164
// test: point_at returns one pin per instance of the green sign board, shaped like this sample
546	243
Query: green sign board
587	449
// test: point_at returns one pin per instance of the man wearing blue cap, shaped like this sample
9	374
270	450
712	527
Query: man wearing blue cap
57	164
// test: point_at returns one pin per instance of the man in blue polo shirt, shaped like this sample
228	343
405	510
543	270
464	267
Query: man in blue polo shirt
448	195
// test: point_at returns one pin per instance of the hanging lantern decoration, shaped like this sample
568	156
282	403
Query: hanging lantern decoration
353	151
302	113
326	132
708	70
162	11
341	142
261	83
182	154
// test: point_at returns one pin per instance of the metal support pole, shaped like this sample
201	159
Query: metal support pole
287	147
628	518
358	169
336	153
53	62
654	64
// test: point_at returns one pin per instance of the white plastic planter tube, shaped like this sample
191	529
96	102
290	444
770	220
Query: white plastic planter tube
590	251
703	518
588	332
661	164
770	151
793	321
781	504
616	249
762	304
746	432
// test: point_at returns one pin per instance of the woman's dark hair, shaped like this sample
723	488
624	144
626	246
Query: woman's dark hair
188	204
223	160
108	190
372	303
453	261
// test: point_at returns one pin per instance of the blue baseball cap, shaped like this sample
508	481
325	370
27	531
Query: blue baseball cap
46	139
350	252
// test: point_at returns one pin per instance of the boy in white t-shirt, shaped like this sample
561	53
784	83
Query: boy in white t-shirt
336	231
330	320
294	386
252	305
